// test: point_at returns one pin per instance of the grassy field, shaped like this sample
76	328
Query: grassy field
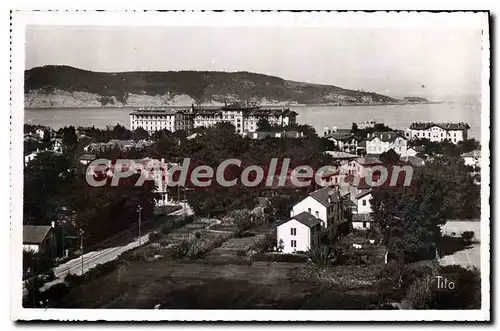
201	284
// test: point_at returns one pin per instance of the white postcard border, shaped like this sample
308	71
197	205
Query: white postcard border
348	19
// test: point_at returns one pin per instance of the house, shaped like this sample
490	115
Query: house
57	145
414	161
380	142
438	132
414	150
473	158
299	233
324	204
342	157
344	140
30	157
40	133
38	239
362	201
361	166
362	221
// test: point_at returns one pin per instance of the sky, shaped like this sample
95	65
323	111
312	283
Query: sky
392	61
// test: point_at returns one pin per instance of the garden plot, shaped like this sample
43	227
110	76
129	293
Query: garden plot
234	248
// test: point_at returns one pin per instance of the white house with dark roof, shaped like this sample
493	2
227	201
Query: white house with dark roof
38	239
473	158
344	139
380	142
438	132
324	204
363	205
362	221
299	233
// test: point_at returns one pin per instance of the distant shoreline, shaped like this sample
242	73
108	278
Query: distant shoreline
262	106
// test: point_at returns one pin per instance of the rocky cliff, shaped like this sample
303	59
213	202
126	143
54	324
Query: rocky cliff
63	86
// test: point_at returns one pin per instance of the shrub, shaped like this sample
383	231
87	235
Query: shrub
467	236
267	243
155	236
467	291
321	255
419	295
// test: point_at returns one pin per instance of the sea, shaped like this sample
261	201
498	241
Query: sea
319	117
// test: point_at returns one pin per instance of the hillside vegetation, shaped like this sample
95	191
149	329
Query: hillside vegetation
56	85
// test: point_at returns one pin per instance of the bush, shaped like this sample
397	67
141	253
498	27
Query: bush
467	236
279	257
155	236
267	243
419	295
467	291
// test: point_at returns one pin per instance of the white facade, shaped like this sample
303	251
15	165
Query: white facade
295	236
57	146
438	132
355	168
30	157
363	204
154	121
411	152
243	119
313	207
361	225
378	146
31	248
40	133
472	159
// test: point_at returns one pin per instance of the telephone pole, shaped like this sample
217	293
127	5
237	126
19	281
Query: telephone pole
139	209
81	246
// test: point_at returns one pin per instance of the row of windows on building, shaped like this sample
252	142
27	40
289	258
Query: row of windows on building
423	134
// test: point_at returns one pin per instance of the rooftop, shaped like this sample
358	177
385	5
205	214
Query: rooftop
388	136
444	126
325	196
306	219
476	153
368	160
34	234
413	160
362	218
363	193
341	155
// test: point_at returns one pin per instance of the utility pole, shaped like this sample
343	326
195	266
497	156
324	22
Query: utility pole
139	209
81	246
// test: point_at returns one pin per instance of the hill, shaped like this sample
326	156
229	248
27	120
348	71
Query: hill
64	86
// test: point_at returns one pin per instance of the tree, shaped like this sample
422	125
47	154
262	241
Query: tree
263	124
389	157
69	138
410	217
354	128
140	134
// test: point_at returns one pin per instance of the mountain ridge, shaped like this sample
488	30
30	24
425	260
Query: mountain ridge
60	86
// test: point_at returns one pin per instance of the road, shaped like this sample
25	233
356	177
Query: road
470	256
94	258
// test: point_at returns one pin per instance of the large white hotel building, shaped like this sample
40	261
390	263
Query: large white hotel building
438	132
244	118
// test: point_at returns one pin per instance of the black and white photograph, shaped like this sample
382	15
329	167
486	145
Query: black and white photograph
273	166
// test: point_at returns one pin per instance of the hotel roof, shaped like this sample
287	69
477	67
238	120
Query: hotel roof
444	126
